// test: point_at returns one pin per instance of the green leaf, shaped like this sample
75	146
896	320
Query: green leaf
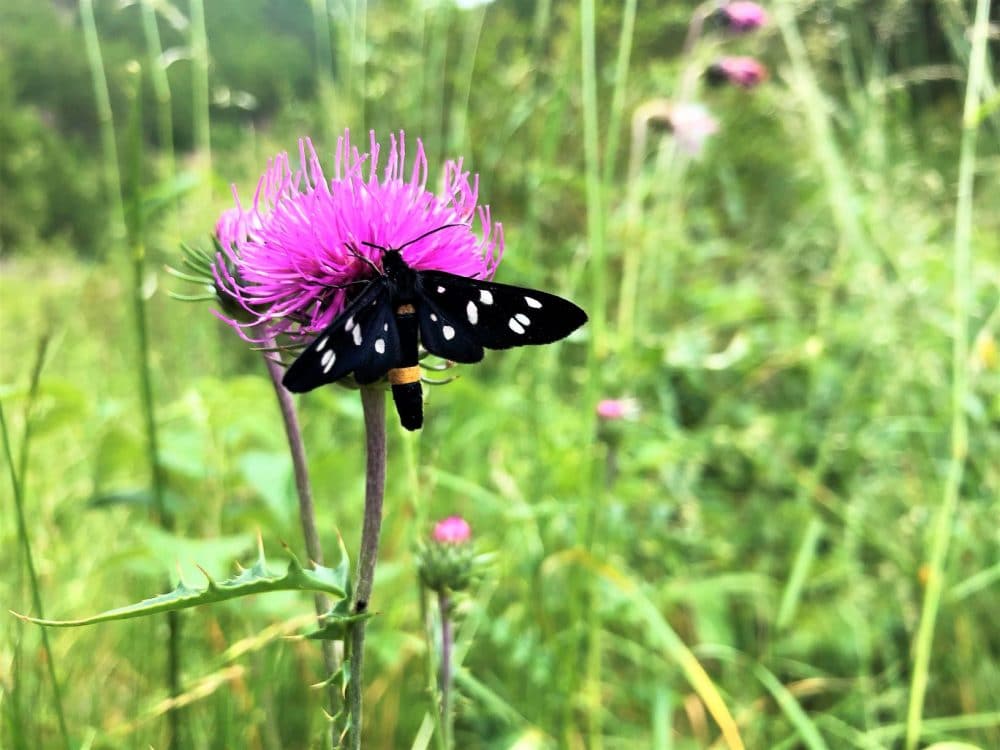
270	474
188	555
164	195
335	623
138	497
255	580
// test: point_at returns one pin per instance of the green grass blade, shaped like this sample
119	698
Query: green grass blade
595	207
800	571
806	729
662	635
199	89
25	537
962	293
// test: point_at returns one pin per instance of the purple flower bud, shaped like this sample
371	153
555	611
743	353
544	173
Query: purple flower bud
745	72
743	16
614	409
452	530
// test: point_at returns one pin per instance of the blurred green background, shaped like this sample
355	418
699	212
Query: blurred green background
802	519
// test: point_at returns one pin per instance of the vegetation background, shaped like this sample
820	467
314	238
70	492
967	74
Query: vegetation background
807	314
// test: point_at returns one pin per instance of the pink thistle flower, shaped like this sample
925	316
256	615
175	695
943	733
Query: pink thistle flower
691	125
746	72
289	260
452	530
614	409
743	16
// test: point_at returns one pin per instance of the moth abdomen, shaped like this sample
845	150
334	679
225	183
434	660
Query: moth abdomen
405	379
408	396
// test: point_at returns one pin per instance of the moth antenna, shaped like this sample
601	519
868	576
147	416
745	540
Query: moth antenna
353	283
353	251
428	234
417	239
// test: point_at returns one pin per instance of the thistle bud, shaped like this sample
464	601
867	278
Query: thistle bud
447	561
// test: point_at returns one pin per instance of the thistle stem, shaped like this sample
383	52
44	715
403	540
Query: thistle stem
447	719
373	404
307	511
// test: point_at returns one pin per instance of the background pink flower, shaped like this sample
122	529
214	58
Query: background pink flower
743	16
746	72
691	125
612	409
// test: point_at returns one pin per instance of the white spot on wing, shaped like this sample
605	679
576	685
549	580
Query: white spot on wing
434	318
532	302
472	312
515	326
449	332
380	346
328	359
523	319
486	296
357	335
440	289
385	326
349	324
322	343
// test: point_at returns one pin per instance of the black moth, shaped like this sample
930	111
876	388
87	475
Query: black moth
454	317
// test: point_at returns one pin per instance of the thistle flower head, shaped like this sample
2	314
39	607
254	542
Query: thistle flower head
745	72
290	258
743	16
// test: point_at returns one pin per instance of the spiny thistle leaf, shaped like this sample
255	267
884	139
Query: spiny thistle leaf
334	624
254	580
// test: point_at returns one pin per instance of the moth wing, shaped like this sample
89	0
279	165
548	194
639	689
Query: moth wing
445	335
350	344
496	316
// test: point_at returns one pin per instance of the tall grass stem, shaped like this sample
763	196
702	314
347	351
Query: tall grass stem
373	404
617	115
105	117
136	237
161	85
961	291
458	135
842	194
199	88
596	354
595	208
356	78
17	479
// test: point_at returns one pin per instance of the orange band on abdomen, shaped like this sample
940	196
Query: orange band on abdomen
405	310
404	375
